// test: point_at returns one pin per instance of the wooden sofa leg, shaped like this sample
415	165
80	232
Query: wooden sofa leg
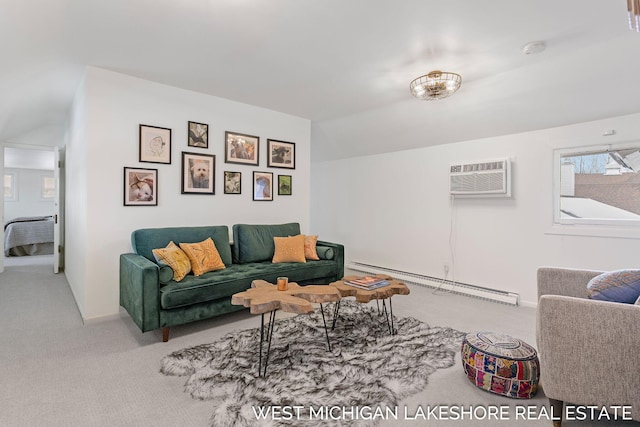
557	406
165	334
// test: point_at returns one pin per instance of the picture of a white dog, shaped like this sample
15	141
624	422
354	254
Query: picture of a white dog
199	173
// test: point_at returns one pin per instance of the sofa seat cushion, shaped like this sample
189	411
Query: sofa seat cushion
237	278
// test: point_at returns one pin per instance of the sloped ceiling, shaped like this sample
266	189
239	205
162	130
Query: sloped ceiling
345	65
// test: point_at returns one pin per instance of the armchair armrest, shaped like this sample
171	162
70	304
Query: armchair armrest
338	257
140	290
571	282
588	350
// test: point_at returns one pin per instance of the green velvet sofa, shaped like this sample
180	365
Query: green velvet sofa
154	300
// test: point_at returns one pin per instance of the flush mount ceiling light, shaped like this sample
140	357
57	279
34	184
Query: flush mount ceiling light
633	6
436	85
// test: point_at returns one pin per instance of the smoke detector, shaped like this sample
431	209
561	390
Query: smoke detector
532	48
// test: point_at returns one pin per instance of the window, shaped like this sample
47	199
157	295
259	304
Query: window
10	187
48	187
598	185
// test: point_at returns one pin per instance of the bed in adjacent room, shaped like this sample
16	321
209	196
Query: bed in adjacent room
28	236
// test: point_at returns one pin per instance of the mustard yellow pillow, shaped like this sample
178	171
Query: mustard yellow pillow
204	256
289	249
173	256
310	247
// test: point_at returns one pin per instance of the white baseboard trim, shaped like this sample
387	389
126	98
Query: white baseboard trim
495	295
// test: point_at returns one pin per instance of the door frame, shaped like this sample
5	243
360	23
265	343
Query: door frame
59	199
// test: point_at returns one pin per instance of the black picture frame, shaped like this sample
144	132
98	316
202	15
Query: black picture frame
155	144
242	149
284	185
262	186
281	154
232	182
198	173
197	135
140	187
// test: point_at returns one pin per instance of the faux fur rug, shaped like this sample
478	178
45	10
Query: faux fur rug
368	367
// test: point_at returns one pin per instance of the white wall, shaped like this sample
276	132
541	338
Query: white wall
29	200
76	199
394	210
116	105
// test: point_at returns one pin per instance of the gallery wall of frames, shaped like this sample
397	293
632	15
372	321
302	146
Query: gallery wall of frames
245	174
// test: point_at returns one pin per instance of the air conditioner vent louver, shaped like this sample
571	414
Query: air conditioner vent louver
481	179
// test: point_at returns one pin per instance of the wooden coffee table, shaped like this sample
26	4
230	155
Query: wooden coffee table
395	287
264	297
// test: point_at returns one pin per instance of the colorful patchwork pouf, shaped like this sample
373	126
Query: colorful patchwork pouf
501	364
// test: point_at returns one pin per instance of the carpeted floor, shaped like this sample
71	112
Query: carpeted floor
56	370
367	368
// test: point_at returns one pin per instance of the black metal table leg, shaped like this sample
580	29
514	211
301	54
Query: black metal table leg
326	331
270	327
336	309
386	314
262	371
261	341
393	331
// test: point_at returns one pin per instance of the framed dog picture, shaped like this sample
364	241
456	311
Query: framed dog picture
241	149
262	186
198	135
281	154
284	185
155	144
198	173
232	182
140	187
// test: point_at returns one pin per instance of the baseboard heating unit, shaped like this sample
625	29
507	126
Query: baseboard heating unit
434	282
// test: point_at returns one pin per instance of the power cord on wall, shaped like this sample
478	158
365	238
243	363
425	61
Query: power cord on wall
451	253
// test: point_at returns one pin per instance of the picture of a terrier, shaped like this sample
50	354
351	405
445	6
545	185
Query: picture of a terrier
199	174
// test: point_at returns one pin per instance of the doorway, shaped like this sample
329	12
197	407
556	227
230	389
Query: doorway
31	210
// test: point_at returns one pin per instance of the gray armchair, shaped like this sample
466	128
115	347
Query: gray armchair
589	350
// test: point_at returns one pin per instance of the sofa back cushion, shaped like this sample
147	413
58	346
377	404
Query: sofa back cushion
254	243
143	241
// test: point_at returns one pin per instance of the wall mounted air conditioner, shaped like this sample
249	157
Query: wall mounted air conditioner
481	179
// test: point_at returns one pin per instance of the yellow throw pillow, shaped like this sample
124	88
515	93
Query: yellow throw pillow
173	256
310	247
204	256
289	249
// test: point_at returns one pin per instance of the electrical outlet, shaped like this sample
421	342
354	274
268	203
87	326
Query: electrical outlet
446	267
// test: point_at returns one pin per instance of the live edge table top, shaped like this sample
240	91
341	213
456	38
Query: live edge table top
264	297
394	287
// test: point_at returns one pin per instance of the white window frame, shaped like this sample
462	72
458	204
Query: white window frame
13	197
586	226
43	179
